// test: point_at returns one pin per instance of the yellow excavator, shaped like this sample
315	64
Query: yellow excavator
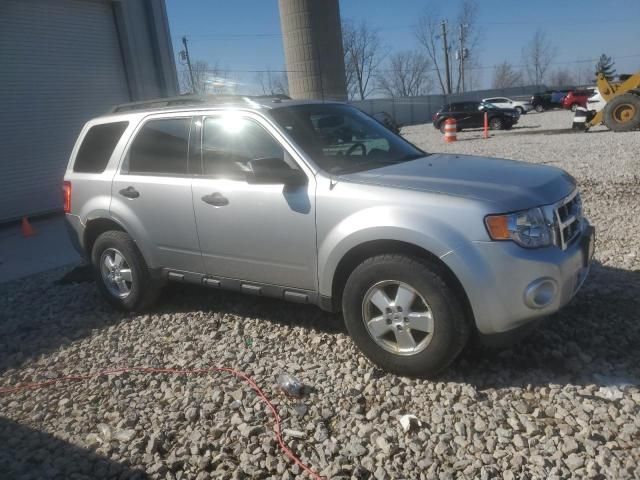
622	111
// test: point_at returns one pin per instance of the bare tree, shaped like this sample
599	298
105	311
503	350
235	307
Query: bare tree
272	83
584	73
537	55
505	76
362	55
207	79
406	75
562	77
428	31
466	43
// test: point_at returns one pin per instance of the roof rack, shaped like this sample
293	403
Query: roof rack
187	100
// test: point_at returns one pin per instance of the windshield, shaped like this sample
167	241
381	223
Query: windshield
342	139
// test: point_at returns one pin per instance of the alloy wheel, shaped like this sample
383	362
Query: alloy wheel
116	273
397	317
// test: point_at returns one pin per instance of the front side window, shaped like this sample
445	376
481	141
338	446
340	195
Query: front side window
97	147
340	138
161	147
230	141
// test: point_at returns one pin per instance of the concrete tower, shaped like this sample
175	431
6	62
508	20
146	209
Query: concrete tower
313	49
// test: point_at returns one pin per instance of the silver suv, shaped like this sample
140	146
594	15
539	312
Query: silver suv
319	203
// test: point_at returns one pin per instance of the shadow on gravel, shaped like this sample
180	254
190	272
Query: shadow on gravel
28	453
591	340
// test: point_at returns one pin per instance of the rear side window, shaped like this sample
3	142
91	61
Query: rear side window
97	147
161	147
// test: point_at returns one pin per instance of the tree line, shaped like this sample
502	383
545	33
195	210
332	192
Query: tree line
371	68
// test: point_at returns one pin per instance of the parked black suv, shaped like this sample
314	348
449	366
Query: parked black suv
548	99
471	115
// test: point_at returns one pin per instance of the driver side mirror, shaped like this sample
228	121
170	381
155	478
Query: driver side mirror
274	171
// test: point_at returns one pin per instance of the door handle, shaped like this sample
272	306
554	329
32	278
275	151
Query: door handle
216	199
129	192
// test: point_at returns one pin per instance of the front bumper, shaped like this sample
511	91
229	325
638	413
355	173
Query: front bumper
499	278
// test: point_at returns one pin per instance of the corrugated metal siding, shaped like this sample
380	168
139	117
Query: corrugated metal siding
60	65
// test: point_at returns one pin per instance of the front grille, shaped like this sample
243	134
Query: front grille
568	214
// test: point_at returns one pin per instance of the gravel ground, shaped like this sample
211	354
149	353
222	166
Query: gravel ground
563	403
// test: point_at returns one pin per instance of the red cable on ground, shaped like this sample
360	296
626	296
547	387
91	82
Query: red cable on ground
276	426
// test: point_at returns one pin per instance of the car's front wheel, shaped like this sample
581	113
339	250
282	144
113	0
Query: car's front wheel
403	316
520	110
539	108
121	273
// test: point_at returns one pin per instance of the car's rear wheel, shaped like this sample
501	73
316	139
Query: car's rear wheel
496	123
574	107
121	273
403	316
539	108
520	110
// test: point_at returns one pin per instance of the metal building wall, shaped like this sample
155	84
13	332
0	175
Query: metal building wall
312	38
63	62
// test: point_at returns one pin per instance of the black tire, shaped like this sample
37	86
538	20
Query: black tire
622	113
144	289
539	108
507	126
441	126
496	123
450	327
574	107
520	110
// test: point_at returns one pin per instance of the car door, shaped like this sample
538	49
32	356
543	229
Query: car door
460	114
151	194
256	233
474	116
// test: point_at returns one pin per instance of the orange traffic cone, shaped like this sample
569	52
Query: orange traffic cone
27	229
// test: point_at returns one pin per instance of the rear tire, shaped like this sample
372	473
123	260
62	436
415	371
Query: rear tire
574	107
622	113
430	314
496	123
539	108
122	275
520	110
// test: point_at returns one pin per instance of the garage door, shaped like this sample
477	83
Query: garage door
60	65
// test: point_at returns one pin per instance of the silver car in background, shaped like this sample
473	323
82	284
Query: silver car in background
318	203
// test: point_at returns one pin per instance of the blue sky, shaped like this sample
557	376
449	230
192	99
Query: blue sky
242	35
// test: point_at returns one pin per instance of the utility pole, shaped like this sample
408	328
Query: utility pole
186	53
462	53
443	25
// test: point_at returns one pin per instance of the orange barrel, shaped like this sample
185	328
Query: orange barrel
450	129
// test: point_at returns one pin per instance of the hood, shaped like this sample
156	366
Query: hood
509	184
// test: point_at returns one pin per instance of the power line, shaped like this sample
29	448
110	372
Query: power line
381	70
413	26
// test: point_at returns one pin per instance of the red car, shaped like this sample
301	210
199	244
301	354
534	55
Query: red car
575	99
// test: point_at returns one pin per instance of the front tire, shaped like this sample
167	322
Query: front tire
496	123
403	316
121	273
574	107
539	108
520	110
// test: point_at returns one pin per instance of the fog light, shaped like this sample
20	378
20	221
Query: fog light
540	293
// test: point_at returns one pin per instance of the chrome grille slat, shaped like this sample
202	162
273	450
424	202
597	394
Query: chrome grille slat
568	218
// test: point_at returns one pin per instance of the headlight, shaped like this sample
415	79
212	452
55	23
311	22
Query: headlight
527	228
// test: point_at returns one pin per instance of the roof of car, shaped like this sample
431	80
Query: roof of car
202	102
